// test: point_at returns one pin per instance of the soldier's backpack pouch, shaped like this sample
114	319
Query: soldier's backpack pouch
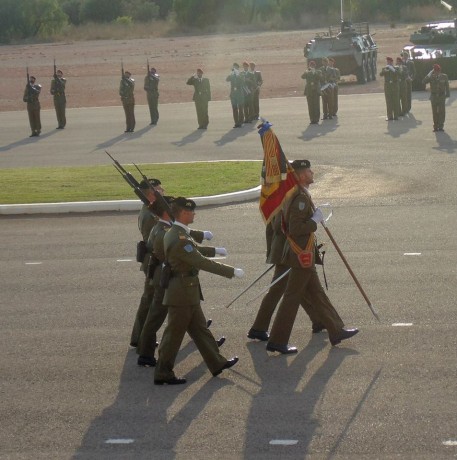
140	251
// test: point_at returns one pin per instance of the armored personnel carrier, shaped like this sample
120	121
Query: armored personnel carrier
351	45
434	43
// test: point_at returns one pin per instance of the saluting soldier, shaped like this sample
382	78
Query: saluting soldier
236	95
126	89
60	101
391	89
409	80
336	76
31	96
201	97
402	86
300	224
248	88
327	90
151	86
183	296
313	80
258	82
439	91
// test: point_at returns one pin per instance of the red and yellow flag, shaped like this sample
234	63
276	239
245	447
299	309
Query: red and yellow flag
278	181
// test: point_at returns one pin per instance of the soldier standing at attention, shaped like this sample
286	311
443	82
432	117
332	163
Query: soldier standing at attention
439	91
313	80
151	86
409	80
126	89
248	88
303	283
402	76
201	97
391	89
236	95
31	96
60	101
183	296
258	82
327	91
334	80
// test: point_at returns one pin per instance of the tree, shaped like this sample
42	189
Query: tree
72	8
100	10
197	13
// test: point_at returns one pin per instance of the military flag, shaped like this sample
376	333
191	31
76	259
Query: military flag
278	180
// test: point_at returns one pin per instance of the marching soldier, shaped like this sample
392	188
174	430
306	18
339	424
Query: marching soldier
201	97
327	89
258	82
334	80
439	91
402	86
183	296
391	89
409	80
313	80
236	95
248	88
60	101
151	86
301	220
31	96
126	88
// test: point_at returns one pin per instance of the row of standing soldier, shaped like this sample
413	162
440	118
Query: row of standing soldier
322	82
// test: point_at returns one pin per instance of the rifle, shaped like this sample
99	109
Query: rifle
147	62
122	71
28	76
55	71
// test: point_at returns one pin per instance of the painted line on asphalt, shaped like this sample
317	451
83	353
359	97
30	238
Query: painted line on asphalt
450	442
412	254
119	441
33	263
283	442
402	324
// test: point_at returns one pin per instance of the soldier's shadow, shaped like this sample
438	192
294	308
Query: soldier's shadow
234	134
445	143
401	126
194	136
322	129
27	141
281	382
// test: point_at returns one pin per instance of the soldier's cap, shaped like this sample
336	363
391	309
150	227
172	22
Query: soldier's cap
184	203
236	65
160	206
154	182
145	184
389	59
152	70
32	77
404	53
436	67
399	59
300	164
331	59
130	73
252	63
324	59
312	63
200	70
245	63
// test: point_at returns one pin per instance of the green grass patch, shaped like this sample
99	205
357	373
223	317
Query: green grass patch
100	183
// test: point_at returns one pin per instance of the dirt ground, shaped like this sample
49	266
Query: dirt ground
93	68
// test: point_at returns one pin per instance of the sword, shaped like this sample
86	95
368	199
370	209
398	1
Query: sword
268	287
249	287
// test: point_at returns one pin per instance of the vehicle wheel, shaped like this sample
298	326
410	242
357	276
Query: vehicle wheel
362	73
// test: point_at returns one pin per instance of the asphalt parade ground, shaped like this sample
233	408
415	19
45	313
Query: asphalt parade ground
70	386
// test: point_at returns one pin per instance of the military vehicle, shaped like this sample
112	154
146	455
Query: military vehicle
434	43
351	45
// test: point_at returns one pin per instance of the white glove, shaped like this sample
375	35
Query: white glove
318	216
221	251
239	273
207	235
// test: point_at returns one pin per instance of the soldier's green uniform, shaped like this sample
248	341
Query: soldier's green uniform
248	89
439	91
335	78
236	95
201	97
327	93
409	80
391	90
31	96
126	89
402	86
151	86
313	79
182	297
60	101
258	82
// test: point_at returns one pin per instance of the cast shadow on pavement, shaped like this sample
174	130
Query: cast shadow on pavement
194	136
148	415
27	141
401	126
445	142
293	416
122	137
234	134
322	129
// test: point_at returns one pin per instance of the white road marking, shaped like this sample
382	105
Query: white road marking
412	254
451	442
402	324
283	442
33	263
124	260
119	441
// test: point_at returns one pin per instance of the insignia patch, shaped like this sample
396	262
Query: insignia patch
188	248
301	206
